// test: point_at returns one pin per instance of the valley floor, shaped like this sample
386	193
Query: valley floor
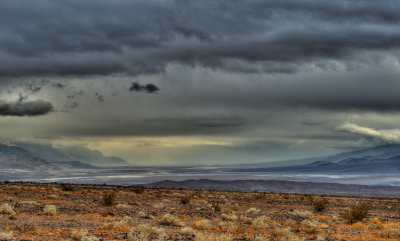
32	211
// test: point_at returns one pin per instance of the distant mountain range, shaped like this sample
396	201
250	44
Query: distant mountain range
381	159
40	157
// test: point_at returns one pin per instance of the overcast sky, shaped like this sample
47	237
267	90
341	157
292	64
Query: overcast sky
201	82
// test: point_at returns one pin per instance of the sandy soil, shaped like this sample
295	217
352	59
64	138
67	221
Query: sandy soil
143	214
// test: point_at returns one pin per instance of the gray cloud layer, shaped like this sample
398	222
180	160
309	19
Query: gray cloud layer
27	108
104	37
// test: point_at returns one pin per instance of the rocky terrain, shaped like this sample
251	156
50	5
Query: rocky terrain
31	211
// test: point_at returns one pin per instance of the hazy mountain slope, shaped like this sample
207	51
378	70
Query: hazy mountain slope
92	157
13	157
381	159
70	154
16	157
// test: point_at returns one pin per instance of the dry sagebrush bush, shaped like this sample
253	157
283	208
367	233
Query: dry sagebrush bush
6	209
303	214
82	235
203	224
253	211
284	234
108	198
356	213
185	199
125	222
170	220
50	210
230	217
320	205
212	237
7	236
144	231
187	231
245	220
29	203
260	222
310	226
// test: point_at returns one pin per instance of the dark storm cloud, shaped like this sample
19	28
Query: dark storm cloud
136	37
27	108
202	122
149	88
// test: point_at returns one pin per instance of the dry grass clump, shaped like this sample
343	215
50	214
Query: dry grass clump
260	222
303	214
144	215
253	211
213	237
29	203
108	198
145	232
203	224
285	235
245	220
159	206
310	226
138	189
66	187
50	210
320	205
356	213
82	235
124	222
187	231
170	220
7	236
229	217
6	209
185	199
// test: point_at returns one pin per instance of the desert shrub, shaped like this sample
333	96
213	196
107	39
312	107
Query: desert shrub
28	203
284	234
82	235
66	187
253	211
125	222
213	237
108	198
171	220
6	209
144	231
245	220
231	217
310	226
302	214
159	206
50	210
203	224
123	206
138	189
260	222
144	215
216	206
185	199
6	236
356	213
320	205
187	231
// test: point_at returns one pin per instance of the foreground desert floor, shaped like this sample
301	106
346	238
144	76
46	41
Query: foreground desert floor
80	212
